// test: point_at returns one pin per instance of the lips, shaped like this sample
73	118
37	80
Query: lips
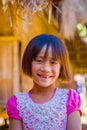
44	76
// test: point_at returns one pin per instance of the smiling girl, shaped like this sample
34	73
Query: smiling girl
45	106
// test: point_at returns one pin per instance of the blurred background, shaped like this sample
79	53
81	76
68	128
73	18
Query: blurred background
20	21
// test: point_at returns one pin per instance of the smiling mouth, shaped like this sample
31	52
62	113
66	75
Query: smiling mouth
44	76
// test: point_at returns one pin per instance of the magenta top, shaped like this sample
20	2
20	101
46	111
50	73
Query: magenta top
72	103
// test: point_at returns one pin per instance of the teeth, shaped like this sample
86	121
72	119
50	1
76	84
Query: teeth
44	76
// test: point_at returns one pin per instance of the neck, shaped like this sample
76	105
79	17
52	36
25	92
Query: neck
42	90
42	94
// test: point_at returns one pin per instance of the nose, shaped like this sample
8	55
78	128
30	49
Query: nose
45	67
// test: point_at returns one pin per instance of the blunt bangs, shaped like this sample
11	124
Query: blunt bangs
58	48
38	43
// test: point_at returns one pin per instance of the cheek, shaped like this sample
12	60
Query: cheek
57	70
35	67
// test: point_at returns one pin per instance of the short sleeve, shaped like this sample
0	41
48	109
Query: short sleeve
73	102
11	107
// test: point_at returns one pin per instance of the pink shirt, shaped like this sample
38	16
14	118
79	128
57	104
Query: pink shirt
72	103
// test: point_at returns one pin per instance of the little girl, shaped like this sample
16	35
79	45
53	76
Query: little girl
45	107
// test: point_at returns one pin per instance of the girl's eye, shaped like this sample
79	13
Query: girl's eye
39	60
53	62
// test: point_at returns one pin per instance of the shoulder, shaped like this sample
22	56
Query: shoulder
73	96
11	101
11	106
72	91
21	94
73	101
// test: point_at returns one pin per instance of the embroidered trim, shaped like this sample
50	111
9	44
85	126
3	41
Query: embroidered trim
50	115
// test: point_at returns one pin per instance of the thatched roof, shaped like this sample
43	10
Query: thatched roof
73	12
68	13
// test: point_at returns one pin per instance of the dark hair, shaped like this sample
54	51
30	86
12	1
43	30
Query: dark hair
59	52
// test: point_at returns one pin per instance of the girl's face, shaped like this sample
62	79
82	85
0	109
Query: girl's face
45	71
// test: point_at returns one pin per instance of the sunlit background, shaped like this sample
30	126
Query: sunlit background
20	21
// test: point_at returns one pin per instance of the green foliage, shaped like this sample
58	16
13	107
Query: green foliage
82	30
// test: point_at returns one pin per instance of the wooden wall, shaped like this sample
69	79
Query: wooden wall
9	67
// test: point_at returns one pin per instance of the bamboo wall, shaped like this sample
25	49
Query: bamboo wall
9	67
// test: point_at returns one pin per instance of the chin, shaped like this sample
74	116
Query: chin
45	85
